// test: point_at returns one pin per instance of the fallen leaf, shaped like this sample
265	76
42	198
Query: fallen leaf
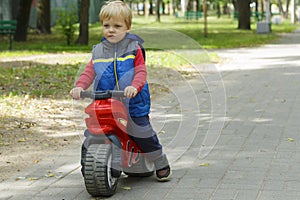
22	140
33	178
4	144
49	175
126	188
20	178
204	164
290	139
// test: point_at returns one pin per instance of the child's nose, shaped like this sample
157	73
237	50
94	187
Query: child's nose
111	29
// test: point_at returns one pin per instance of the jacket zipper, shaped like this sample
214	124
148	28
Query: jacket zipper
115	68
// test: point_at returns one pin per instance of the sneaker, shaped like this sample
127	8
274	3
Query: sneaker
164	174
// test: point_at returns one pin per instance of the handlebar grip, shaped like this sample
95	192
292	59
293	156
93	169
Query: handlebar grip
102	94
117	93
87	94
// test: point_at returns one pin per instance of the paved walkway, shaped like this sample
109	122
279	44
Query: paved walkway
229	135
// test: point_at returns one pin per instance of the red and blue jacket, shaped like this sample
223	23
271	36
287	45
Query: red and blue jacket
114	69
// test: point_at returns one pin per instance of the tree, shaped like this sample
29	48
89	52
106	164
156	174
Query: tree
44	16
234	3
285	13
244	15
66	20
151	7
22	20
157	10
83	37
205	17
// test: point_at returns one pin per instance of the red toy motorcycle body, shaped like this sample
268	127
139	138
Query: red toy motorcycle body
108	149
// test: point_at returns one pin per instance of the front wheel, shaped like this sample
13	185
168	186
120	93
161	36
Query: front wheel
97	171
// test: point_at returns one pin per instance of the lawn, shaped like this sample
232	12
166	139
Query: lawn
222	33
42	80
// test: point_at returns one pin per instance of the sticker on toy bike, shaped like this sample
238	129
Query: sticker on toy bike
108	150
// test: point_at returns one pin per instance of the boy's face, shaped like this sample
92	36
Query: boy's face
114	29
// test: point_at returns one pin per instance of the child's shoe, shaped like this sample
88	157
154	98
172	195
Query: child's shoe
164	174
163	170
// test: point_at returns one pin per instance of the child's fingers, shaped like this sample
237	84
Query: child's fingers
130	92
75	92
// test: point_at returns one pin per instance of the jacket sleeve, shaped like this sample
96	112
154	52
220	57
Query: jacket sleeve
87	77
140	71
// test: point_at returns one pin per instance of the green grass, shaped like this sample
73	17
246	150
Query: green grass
37	80
54	81
222	33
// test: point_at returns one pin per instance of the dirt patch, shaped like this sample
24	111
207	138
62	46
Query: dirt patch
32	129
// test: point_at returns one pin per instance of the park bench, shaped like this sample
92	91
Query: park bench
8	27
258	16
193	15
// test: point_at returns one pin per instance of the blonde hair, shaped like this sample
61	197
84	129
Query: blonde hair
116	9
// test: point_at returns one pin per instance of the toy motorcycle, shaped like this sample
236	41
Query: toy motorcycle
108	150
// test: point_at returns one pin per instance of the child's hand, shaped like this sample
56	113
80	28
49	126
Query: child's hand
75	92
130	92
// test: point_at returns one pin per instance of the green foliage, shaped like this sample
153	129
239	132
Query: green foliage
165	58
222	33
37	80
67	20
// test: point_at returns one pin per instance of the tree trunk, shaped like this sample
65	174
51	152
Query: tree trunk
83	37
234	3
205	18
157	10
163	5
262	6
218	10
244	14
190	5
280	7
44	16
151	7
146	11
286	14
197	5
23	20
256	5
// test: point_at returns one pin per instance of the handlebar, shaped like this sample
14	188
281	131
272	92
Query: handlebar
99	95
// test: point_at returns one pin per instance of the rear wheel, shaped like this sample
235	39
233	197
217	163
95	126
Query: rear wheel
97	171
143	168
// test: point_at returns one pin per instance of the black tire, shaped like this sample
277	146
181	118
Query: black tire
97	171
83	156
143	168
